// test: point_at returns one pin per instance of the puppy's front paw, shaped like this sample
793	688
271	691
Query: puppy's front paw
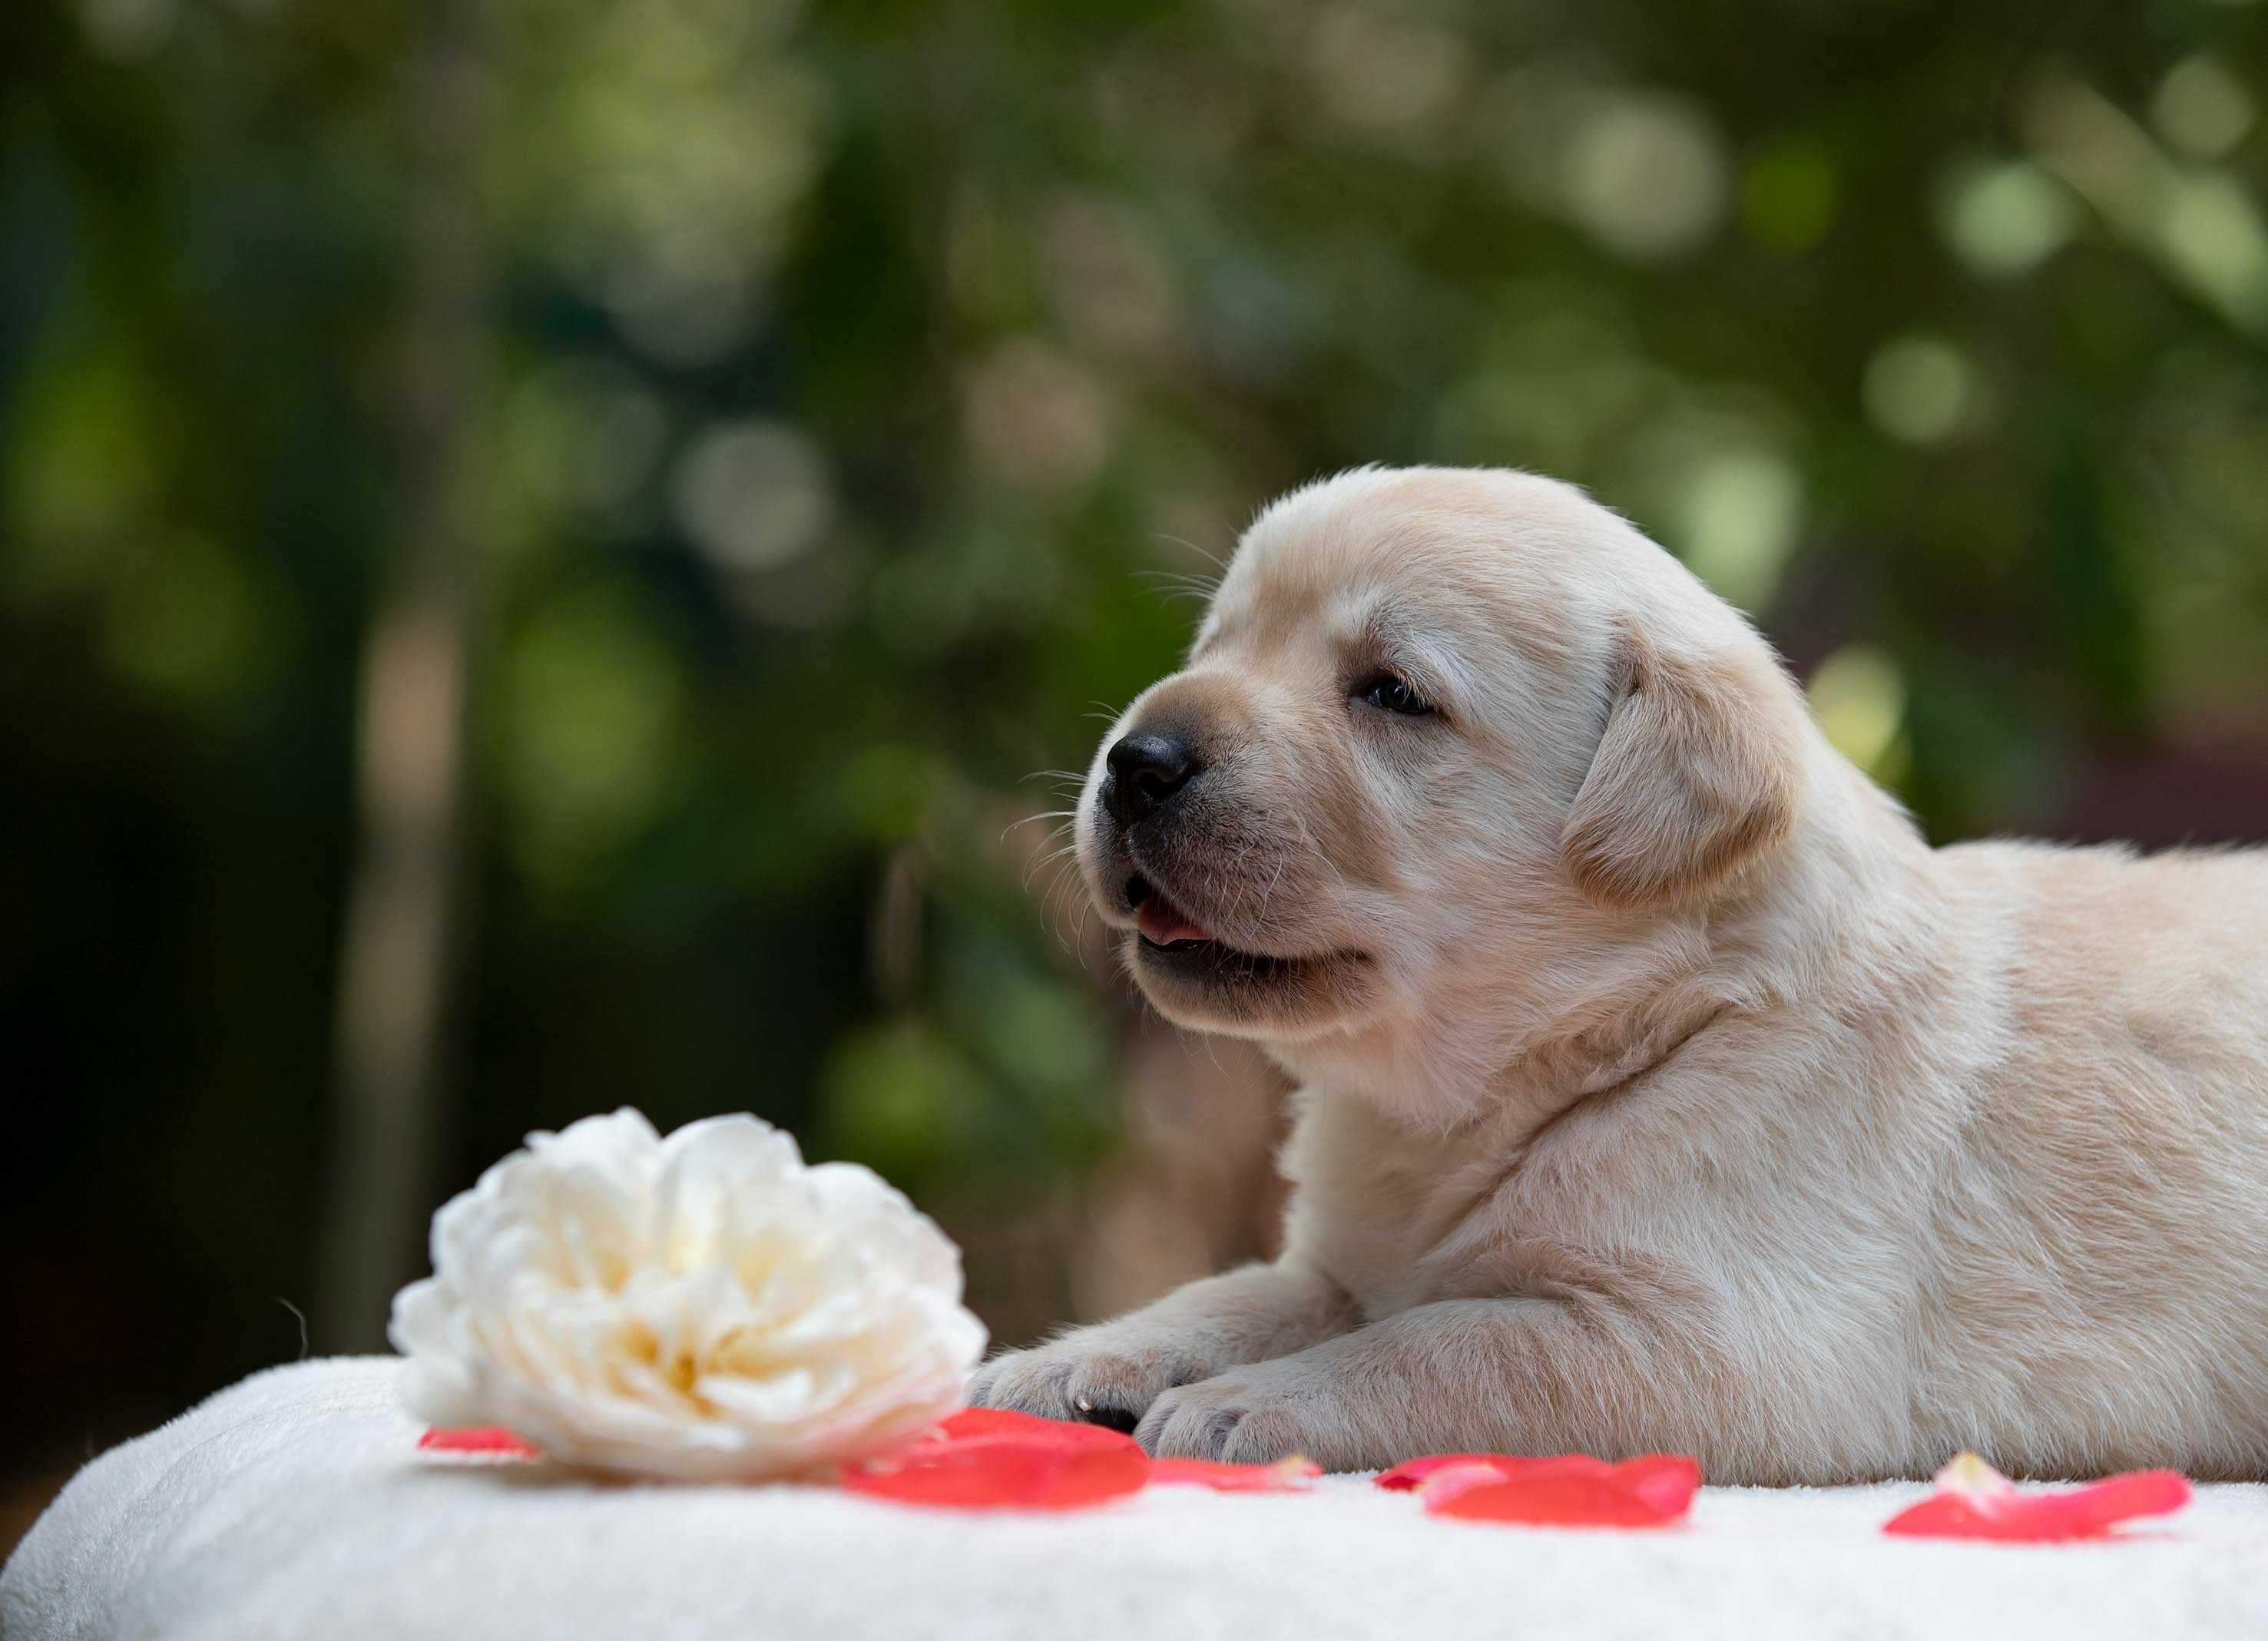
1255	1415
1088	1375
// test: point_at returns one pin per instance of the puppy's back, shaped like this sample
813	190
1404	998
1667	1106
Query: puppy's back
2104	1243
2163	958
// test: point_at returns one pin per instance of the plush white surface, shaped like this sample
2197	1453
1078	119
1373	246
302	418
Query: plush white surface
296	1504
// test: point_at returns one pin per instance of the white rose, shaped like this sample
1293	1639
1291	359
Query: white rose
703	1307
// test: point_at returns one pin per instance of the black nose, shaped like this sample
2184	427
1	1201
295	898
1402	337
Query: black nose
1145	769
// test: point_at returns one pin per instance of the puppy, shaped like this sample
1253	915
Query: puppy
1660	1088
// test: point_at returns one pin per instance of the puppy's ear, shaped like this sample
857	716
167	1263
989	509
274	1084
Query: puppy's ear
1698	774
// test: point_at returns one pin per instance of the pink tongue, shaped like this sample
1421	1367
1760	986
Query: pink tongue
1161	923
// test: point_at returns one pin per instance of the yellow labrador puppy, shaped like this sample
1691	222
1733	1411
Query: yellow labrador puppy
1661	1088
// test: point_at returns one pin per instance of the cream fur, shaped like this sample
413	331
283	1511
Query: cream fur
1660	1087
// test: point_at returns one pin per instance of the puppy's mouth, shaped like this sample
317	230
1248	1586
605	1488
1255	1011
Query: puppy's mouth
1170	941
1160	923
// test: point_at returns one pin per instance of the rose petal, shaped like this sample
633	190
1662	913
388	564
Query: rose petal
1000	1424
477	1438
1553	1501
1405	1476
1668	1481
2103	1505
1974	1501
1572	1489
1001	1473
1287	1476
1969	1477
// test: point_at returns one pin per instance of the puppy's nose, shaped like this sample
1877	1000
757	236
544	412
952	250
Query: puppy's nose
1145	769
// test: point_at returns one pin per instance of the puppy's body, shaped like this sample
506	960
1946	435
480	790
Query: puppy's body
1661	1089
1998	1185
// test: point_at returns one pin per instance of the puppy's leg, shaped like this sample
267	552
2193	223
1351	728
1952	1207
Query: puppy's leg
1465	1375
1110	1374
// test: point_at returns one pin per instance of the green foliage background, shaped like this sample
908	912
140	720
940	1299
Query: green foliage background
836	369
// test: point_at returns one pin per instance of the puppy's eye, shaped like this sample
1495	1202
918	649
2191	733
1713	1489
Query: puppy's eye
1392	695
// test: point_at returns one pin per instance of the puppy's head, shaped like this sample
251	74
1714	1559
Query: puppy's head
1443	735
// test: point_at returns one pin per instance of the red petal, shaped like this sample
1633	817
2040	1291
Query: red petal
2121	1497
1563	1500
1665	1481
1571	1491
1290	1475
477	1438
2040	1518
1406	1476
999	1424
987	1472
1668	1481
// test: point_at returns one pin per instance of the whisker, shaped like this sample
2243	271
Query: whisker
1051	914
1214	559
1269	892
1045	861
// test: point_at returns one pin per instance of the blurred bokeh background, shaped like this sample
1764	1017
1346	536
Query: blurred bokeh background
546	547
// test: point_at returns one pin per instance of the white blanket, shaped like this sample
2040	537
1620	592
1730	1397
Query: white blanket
297	1504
